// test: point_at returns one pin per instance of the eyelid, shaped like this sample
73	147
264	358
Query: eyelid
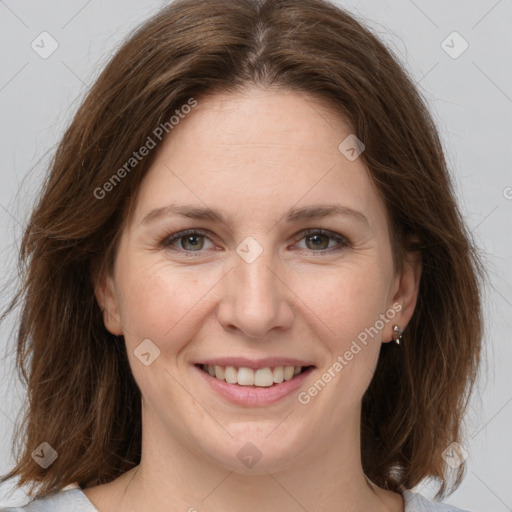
340	239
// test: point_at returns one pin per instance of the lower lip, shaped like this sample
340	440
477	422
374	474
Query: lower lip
251	396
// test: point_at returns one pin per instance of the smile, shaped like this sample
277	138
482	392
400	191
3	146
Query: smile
264	384
259	377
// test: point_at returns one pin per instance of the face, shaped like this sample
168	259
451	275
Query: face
255	245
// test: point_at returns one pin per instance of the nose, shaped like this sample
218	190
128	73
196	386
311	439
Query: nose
256	298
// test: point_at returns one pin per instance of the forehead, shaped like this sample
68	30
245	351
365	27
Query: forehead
256	121
258	152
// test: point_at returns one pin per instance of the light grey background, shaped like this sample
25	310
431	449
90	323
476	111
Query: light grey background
470	97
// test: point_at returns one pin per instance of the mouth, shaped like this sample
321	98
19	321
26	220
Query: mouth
250	382
244	376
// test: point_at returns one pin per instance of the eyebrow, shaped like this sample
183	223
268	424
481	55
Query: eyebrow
312	212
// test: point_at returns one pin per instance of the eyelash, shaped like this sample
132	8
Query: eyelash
342	241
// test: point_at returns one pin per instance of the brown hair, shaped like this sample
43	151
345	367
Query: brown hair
82	398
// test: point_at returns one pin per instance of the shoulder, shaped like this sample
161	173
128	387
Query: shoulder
72	500
415	502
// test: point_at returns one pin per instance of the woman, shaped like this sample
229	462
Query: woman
247	284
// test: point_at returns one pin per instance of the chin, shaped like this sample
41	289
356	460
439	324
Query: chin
255	450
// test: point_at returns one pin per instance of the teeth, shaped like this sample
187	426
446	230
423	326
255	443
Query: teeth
243	376
278	374
219	372
288	372
263	377
230	374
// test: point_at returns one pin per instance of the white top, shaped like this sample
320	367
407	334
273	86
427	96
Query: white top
74	500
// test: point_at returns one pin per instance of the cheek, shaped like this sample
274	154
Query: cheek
165	305
345	301
345	316
162	303
345	310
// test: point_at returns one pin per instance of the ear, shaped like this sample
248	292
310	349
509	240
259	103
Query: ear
405	293
105	293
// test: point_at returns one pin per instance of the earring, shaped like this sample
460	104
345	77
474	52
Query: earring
397	337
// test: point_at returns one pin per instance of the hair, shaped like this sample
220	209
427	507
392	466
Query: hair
81	395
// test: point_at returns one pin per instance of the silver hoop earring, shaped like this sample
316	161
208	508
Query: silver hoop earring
397	336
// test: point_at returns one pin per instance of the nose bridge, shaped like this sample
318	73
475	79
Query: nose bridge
255	301
253	279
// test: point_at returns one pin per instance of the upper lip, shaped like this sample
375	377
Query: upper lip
270	362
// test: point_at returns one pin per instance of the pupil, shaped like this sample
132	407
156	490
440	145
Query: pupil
192	240
317	242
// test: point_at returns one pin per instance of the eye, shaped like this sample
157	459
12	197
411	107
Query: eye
191	240
194	240
318	240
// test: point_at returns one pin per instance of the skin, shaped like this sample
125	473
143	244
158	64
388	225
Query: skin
253	156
